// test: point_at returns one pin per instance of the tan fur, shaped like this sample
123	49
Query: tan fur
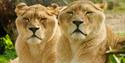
40	49
91	45
103	6
55	8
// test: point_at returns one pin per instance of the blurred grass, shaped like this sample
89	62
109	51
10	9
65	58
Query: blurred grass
9	54
120	58
3	59
120	8
121	33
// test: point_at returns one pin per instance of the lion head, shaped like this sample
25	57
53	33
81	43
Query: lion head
81	20
35	23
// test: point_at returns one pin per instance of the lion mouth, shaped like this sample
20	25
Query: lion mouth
35	36
79	31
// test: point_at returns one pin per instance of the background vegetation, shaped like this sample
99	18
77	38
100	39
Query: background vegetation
7	50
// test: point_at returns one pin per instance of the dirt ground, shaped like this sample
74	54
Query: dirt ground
116	21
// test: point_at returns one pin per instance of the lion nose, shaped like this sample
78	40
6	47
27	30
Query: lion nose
77	22
34	29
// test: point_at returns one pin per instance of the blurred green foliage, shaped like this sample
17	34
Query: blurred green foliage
119	58
8	42
9	52
116	58
121	33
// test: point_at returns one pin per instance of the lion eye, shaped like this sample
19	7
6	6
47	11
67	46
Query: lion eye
26	19
88	12
70	12
43	18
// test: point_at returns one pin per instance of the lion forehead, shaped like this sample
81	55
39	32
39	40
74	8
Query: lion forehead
81	5
35	12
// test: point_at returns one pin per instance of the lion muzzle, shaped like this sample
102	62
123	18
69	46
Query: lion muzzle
34	29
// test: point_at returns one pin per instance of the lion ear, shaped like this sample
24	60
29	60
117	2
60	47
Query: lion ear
102	6
53	9
54	6
20	8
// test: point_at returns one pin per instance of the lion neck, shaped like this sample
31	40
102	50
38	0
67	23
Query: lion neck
36	49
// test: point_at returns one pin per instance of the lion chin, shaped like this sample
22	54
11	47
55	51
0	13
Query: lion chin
78	36
34	40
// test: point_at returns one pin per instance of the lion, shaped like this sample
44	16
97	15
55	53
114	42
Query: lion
37	34
85	37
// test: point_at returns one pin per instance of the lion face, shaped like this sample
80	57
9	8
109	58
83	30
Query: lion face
81	20
35	23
